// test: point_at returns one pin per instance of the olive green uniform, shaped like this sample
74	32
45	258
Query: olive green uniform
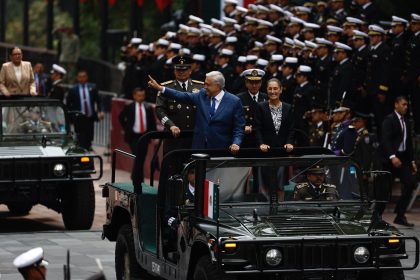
171	112
305	191
35	127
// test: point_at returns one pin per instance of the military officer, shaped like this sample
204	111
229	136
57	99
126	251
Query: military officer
31	264
342	119
323	67
315	188
35	124
340	81
288	80
317	127
57	90
176	116
250	100
359	63
363	148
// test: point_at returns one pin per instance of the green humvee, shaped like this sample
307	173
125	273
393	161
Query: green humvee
238	219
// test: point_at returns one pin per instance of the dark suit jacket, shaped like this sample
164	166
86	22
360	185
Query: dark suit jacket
264	126
57	91
73	99
341	82
250	106
226	127
127	118
392	137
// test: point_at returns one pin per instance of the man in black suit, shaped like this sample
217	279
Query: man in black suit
137	118
83	97
398	158
250	100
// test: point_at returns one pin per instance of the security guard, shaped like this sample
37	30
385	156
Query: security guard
176	116
35	124
250	100
315	188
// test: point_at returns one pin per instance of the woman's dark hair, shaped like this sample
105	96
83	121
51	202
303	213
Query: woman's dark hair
276	81
14	48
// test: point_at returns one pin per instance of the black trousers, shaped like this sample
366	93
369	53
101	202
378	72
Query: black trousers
84	127
140	150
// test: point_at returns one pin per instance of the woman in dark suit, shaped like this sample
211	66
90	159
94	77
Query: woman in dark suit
274	128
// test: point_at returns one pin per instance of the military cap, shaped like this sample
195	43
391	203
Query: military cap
353	21
217	32
295	20
184	51
304	70
251	20
162	42
302	10
341	47
204	25
290	61
170	34
174	46
276	58
237	26
261	62
195	19
317	169
376	30
309	4
331	29
276	8
415	18
288	15
226	52
258	44
216	21
298	44
264	24
321	42
336	0
199	57
251	58
231	39
253	74
331	21
241	9
183	28
310	45
182	62
359	34
322	3
360	115
345	106
192	31
229	21
231	2
205	31
253	7
288	42
143	47
57	68
307	26
241	59
397	20
135	41
262	9
33	257
272	39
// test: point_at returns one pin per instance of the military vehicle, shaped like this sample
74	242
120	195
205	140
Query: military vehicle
41	163
203	221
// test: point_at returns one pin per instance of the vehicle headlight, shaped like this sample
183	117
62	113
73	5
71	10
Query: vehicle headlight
361	255
59	170
273	257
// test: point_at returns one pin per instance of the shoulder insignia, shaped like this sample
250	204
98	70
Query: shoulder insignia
330	186
197	82
301	185
167	83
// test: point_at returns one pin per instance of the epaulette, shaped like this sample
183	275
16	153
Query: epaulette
329	185
301	185
197	82
167	83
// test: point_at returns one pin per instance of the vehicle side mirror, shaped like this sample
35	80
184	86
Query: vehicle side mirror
381	187
175	191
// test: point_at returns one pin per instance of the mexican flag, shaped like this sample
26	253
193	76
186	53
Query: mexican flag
211	197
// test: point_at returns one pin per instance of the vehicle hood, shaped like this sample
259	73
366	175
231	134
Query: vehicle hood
283	221
31	151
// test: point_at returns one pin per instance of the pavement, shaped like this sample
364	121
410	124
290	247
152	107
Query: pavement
44	228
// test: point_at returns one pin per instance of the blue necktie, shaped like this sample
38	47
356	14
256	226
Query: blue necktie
212	107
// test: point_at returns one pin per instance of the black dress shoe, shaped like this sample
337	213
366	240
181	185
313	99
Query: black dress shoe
403	221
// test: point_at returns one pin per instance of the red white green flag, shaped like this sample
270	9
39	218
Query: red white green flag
211	197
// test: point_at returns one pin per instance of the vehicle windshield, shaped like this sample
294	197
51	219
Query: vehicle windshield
313	180
24	120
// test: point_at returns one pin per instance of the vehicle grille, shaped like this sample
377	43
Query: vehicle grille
28	170
20	151
303	225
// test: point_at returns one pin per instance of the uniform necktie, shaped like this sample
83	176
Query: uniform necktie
85	102
212	107
184	87
141	128
403	132
255	98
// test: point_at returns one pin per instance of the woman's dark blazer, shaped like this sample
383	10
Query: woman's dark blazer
265	132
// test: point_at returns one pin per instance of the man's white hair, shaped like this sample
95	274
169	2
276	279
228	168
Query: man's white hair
217	77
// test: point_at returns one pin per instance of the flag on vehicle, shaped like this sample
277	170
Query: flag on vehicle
211	197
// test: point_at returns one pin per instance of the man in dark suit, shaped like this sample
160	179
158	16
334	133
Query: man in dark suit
250	100
220	119
57	90
137	118
83	97
397	149
175	115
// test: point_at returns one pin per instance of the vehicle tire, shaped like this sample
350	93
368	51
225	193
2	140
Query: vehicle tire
19	208
397	274
206	270
78	204
126	266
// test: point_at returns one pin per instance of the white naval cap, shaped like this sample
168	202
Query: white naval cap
162	42
276	8
231	2
196	19
415	17
34	256
183	28
261	62
199	57
184	51
258	44
253	7
253	74
174	46
226	52
192	31
376	30
296	20
310	45
276	58
241	59
298	44
217	32
359	34
302	9
310	26
216	21
304	69
231	39
288	42
353	21
398	20
143	47
170	34
250	19
135	41
274	39
323	42
341	47
264	23
334	29
242	9
291	60
262	9
229	21
251	57
57	68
